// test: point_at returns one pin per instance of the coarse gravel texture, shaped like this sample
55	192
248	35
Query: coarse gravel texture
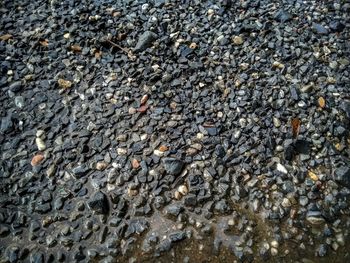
174	131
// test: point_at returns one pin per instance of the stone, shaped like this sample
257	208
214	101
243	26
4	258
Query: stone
342	175
281	168
16	86
19	102
40	144
64	84
314	217
173	166
145	41
6	124
177	236
101	166
37	159
183	189
99	203
319	29
237	40
80	170
173	210
282	16
336	26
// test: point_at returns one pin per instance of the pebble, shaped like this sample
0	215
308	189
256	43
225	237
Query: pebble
281	168
101	166
37	159
122	151
173	166
237	40
19	101
145	40
183	189
40	144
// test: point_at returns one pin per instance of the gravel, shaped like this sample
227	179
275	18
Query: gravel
174	131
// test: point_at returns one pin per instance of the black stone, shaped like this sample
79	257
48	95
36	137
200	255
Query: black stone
99	203
177	236
190	200
6	124
173	166
336	26
173	209
282	16
80	171
145	41
342	175
289	152
16	86
302	146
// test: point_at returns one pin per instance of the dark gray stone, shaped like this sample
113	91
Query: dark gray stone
99	203
173	166
342	175
145	41
319	29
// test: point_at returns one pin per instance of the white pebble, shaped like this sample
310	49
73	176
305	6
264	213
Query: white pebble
281	168
40	144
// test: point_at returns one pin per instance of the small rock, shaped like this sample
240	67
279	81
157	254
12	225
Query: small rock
286	202
319	29
122	151
132	110
40	144
274	251
135	164
315	217
19	102
322	250
177	195
132	192
145	40
173	209
99	203
342	175
183	189
16	86
173	166
276	122
80	171
282	16
336	26
144	99
6	124
237	40
64	84
281	168
101	166
37	159
51	170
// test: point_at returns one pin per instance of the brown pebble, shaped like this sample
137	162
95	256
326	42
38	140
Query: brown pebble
142	108
37	159
163	148
135	164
